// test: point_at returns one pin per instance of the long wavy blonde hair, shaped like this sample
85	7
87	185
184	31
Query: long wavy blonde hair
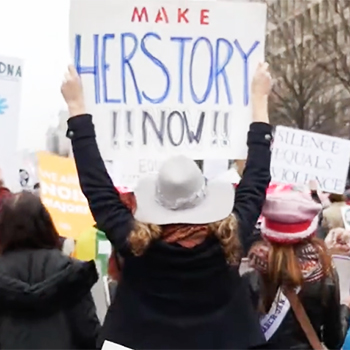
225	230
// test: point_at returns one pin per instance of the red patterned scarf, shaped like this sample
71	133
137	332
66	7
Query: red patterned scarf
308	257
185	235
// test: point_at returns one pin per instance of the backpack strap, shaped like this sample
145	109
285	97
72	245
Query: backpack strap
303	319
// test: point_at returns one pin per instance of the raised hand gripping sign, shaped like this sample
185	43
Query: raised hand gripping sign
166	77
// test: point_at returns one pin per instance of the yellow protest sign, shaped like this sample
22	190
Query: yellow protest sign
62	196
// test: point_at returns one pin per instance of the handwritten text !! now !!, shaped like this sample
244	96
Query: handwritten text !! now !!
168	78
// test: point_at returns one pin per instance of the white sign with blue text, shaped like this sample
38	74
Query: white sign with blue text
167	77
11	71
299	156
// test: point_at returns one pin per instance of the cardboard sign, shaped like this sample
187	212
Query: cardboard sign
164	77
299	156
62	196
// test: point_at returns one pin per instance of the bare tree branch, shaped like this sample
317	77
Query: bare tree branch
305	94
333	38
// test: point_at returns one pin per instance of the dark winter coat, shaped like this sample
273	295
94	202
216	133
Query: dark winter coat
321	301
45	301
172	297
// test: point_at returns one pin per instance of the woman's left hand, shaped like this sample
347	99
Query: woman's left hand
339	240
72	91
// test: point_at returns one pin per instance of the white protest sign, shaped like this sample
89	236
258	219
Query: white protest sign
127	172
109	167
231	176
345	211
168	77
299	156
11	71
342	264
108	345
214	167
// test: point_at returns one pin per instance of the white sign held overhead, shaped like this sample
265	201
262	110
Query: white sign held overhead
230	175
127	172
11	71
214	167
108	345
299	156
164	77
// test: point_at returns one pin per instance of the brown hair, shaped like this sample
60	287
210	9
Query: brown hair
143	234
225	230
283	269
26	224
336	198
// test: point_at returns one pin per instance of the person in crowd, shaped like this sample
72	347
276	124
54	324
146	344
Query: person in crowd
4	191
45	298
293	281
332	216
338	242
180	285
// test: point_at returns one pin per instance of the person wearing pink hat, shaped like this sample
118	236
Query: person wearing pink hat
293	284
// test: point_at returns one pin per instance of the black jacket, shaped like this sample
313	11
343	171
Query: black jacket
172	297
321	301
45	301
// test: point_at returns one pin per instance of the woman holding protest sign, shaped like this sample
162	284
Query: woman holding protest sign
180	285
294	286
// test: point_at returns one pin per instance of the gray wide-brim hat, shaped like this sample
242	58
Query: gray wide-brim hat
179	194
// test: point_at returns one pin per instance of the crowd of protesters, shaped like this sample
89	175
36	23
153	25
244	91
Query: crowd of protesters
178	241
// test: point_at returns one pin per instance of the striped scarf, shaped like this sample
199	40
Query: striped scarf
308	257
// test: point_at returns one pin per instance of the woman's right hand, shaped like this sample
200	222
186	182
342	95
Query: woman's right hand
262	81
338	240
261	88
72	92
